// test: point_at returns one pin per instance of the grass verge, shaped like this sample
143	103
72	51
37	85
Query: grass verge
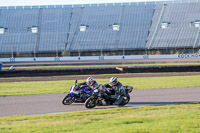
157	119
47	87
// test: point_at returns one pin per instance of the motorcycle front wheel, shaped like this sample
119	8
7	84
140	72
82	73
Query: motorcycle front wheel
90	103
68	100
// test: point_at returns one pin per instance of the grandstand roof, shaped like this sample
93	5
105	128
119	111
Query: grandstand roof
64	2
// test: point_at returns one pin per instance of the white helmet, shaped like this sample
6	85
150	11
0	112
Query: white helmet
90	80
113	81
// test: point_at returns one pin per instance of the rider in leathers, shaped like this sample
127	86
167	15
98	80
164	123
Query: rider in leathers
118	88
90	82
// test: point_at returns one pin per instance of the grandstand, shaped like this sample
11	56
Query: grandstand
181	32
140	29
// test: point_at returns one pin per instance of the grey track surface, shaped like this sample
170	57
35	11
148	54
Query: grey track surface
52	103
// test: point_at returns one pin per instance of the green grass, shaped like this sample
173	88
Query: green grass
153	119
46	87
79	66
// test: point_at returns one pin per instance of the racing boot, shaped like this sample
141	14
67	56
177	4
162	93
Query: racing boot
118	101
103	102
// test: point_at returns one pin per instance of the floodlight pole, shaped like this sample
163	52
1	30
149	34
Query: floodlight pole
35	45
101	49
57	50
34	52
79	52
12	55
123	50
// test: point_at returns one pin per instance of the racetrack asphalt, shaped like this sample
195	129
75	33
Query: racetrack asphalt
52	103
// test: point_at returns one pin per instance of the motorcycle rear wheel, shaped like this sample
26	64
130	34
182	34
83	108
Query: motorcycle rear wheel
90	103
68	100
125	100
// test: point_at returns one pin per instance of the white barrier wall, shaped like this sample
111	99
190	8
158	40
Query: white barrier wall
99	58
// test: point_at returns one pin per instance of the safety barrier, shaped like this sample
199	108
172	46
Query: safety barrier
107	70
43	59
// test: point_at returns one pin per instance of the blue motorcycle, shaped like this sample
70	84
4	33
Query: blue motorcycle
77	95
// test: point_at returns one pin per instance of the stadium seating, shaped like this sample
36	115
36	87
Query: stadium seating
140	28
18	37
99	33
58	28
180	32
135	26
134	20
54	26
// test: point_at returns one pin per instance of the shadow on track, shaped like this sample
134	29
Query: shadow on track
156	103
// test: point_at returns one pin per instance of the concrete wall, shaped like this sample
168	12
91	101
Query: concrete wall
42	59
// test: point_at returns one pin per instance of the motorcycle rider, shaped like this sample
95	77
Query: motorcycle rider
90	82
118	88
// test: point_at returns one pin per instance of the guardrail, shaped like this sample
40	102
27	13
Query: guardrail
107	70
